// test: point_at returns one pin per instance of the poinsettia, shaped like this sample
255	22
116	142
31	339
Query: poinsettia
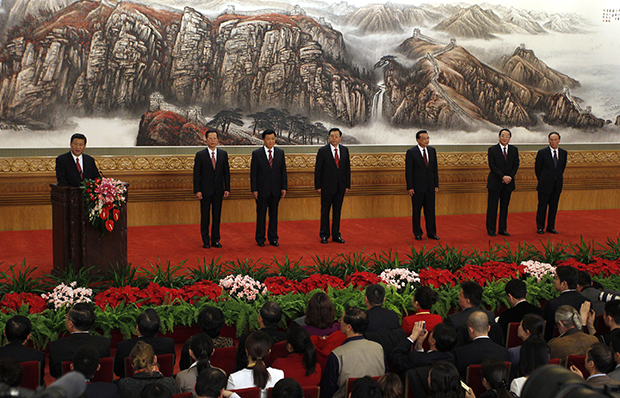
193	293
113	296
280	285
489	271
318	281
14	301
361	279
598	266
437	277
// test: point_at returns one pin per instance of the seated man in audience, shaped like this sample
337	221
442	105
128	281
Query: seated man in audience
470	298
17	332
481	346
590	292
269	317
516	293
572	341
86	361
210	322
211	382
441	340
147	328
599	361
11	372
566	279
287	388
611	317
379	318
356	357
80	319
615	348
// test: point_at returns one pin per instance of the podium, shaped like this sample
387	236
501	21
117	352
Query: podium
76	243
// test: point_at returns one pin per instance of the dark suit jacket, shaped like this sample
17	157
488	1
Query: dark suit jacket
268	180
161	345
459	319
500	167
419	177
476	352
329	178
101	390
404	359
516	314
24	354
571	297
549	176
207	180
380	318
64	348
68	174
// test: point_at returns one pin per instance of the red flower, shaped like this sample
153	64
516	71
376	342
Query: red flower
488	271
104	213
318	281
436	277
280	285
193	293
109	225
361	279
116	214
13	301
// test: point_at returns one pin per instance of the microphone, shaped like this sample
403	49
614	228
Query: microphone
71	385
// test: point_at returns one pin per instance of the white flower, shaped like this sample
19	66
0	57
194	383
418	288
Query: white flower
243	287
399	277
538	269
67	295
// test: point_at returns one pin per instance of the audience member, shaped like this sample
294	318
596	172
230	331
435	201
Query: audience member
470	298
269	317
256	374
210	383
391	386
599	361
611	317
481	347
534	354
287	388
301	363
86	361
565	282
423	299
441	340
320	318
516	293
379	318
79	320
17	332
590	292
572	341
148	325
200	352
11	371
210	322
615	347
496	379
444	382
155	391
146	372
366	387
356	357
532	325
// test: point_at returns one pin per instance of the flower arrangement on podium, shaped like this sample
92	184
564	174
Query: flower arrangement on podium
103	198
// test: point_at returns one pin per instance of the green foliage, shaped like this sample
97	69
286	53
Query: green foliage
401	303
328	266
494	295
540	290
165	275
20	281
292	270
358	261
244	315
386	260
611	249
584	251
212	271
551	252
293	305
448	298
121	275
479	257
521	253
122	318
84	277
249	267
420	259
449	257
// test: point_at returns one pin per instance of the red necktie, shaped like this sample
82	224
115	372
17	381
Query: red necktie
270	159
425	158
213	159
505	155
77	162
336	158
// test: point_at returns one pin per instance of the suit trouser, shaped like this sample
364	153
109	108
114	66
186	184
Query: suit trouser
262	204
503	197
424	200
213	203
328	201
550	200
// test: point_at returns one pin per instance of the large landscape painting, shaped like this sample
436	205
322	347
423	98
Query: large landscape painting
161	73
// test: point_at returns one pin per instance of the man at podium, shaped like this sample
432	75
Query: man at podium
74	166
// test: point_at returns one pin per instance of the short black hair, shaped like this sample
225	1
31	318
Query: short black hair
17	329
612	309
271	313
149	323
287	388
357	318
426	297
155	390
419	133
366	387
516	288
11	371
584	279
211	321
568	274
602	356
556	133
210	382
533	323
375	294
334	129
209	131
78	136
268	132
505	129
82	315
86	360
445	337
473	292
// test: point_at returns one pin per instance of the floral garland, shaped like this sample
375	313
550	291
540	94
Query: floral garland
103	198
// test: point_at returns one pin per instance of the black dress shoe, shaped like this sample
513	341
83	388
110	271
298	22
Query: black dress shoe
491	233
206	245
434	237
540	231
505	233
338	240
261	244
216	244
553	231
324	240
417	237
274	243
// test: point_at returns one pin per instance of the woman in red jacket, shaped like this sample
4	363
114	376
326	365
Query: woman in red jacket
301	363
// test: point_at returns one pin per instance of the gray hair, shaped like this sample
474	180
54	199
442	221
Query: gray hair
568	316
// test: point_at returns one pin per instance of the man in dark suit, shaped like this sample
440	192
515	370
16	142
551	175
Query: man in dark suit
332	179
211	186
504	163
379	318
470	298
566	279
516	292
441	341
599	362
268	182
148	325
79	321
75	166
481	347
549	167
17	332
422	183
86	360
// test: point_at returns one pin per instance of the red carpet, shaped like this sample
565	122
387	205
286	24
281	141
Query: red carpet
299	239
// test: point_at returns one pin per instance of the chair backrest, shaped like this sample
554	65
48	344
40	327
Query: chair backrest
311	391
350	381
225	359
165	362
473	378
105	374
32	375
278	350
512	339
252	392
580	363
555	361
183	395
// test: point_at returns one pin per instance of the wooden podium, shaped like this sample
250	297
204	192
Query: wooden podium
77	244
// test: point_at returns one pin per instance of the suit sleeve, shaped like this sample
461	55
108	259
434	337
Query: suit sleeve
409	169
435	169
318	169
495	169
197	173
563	163
254	173
61	172
348	172
538	164
284	177
226	173
96	170
515	166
